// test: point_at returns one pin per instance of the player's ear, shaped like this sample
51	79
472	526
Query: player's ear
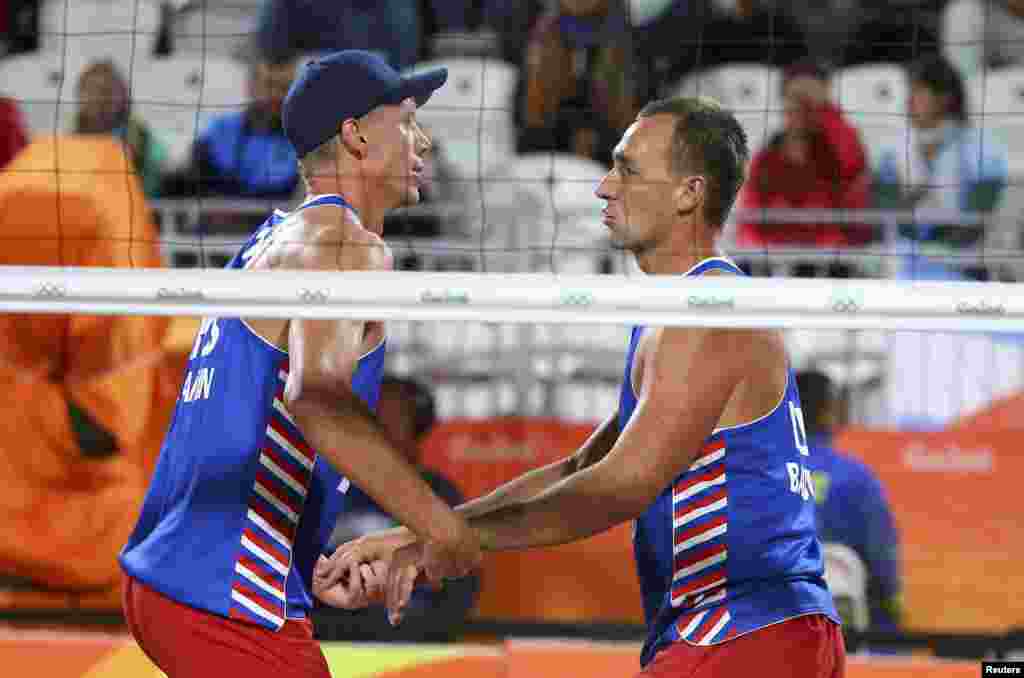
352	139
689	194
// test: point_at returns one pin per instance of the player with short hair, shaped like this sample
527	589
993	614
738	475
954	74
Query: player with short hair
706	453
273	433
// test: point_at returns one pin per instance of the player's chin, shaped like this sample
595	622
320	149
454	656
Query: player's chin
617	240
411	195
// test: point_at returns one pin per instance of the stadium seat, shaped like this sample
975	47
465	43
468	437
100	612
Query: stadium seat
94	29
223	28
35	81
750	91
542	210
1001	110
587	402
178	96
874	98
472	115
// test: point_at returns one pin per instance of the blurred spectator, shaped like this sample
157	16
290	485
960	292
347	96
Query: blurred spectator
852	508
944	163
816	162
407	412
245	153
512	22
389	27
980	34
13	136
751	31
19	26
104	108
578	96
890	31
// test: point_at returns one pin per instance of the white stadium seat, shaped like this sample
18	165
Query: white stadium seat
35	81
87	30
1001	111
178	97
874	98
541	207
750	91
472	115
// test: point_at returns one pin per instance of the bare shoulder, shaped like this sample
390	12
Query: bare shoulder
331	238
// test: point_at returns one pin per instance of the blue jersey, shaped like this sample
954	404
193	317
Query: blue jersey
240	506
730	546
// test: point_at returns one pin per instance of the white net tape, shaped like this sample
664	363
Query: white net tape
520	298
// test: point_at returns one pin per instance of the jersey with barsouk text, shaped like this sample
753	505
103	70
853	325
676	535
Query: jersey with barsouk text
730	545
240	506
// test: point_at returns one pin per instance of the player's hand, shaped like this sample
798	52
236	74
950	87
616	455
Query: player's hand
404	570
435	562
362	585
368	549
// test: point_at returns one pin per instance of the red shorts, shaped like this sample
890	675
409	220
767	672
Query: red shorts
810	647
189	643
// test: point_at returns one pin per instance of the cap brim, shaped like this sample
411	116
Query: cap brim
420	86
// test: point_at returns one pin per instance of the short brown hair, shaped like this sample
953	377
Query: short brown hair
706	138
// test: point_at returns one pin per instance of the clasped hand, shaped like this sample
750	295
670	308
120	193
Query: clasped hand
385	567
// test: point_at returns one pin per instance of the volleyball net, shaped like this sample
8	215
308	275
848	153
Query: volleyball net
509	300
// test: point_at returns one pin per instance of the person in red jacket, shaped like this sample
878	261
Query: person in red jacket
816	162
13	136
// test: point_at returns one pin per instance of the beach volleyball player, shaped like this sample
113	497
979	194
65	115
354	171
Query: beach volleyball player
273	436
706	453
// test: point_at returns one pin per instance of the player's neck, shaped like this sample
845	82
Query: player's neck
676	257
355	194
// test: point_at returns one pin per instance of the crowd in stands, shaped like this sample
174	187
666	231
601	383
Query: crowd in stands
585	67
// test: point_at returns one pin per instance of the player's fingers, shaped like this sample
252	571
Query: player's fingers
354	587
435	576
372	585
323	566
399	580
380	568
409	578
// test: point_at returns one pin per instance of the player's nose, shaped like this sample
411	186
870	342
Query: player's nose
605	188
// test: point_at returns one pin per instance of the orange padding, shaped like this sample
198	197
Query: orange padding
591	580
954	495
63	517
110	658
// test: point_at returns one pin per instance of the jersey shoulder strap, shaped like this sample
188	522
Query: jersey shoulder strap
715	264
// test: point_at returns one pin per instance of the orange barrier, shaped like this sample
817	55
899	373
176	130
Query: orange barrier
955	496
591	580
121	658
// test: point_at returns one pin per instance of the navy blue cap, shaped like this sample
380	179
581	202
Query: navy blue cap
349	84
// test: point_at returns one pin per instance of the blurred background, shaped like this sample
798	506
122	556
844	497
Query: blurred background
886	143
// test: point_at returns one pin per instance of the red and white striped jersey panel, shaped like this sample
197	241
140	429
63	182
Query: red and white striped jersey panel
700	502
274	510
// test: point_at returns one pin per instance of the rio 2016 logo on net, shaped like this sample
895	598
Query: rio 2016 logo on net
308	296
846	301
581	298
50	290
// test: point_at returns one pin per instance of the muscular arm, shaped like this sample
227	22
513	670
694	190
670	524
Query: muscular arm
536	481
689	376
323	355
